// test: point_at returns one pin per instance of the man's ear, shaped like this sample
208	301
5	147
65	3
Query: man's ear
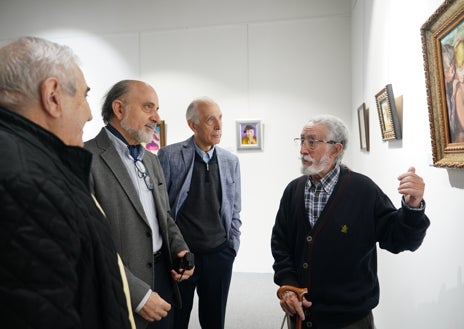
191	124
118	109
51	97
338	148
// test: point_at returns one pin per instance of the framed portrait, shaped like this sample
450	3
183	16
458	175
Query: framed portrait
443	52
249	135
388	116
363	123
159	138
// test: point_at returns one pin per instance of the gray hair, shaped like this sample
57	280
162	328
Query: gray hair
338	131
27	62
193	109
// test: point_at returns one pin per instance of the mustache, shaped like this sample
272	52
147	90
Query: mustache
152	125
306	158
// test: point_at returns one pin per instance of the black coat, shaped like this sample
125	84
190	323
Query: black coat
58	264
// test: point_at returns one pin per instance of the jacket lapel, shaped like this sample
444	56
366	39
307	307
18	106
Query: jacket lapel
110	156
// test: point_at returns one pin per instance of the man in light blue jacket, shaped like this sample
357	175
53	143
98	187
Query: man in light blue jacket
203	183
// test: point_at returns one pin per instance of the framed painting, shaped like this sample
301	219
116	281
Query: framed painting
159	138
388	116
442	38
363	123
249	135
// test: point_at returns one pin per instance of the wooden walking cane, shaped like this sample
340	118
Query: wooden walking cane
300	292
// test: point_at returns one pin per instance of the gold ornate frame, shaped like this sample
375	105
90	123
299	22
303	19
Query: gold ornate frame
439	33
388	116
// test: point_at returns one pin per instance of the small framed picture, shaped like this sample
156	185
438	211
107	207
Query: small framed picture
363	122
388	116
249	135
159	138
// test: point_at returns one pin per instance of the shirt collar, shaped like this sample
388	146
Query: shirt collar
328	181
121	144
206	156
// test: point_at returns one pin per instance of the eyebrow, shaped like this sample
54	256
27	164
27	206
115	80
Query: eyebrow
152	104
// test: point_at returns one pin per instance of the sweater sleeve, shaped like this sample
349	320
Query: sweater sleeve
284	238
399	229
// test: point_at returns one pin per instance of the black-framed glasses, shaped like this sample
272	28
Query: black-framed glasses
311	143
142	173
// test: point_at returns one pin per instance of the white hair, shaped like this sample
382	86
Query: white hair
27	62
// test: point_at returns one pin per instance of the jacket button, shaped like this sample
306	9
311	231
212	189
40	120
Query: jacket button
305	266
148	234
309	238
149	265
309	324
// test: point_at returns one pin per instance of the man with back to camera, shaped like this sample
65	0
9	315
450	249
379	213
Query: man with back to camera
327	227
129	184
203	182
58	264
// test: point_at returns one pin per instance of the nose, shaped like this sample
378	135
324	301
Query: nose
155	116
304	149
89	111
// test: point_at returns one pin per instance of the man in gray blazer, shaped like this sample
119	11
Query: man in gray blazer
129	185
203	182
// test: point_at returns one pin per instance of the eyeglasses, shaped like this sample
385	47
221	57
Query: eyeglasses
142	173
311	143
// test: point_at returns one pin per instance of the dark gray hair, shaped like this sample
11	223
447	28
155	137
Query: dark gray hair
27	62
338	131
192	110
120	89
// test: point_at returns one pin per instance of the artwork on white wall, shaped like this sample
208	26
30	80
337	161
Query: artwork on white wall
249	135
443	51
363	122
388	115
159	138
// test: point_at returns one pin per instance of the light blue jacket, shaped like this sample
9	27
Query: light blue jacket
177	162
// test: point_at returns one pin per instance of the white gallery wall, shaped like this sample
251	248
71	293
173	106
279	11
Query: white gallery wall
282	62
260	60
424	289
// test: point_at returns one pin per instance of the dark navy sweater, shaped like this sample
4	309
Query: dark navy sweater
337	258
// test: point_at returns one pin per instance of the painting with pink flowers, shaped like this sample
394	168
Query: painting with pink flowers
159	138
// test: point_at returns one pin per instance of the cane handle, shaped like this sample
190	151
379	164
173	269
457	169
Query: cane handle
300	292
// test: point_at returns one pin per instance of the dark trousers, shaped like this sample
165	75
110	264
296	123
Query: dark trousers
211	279
365	323
163	286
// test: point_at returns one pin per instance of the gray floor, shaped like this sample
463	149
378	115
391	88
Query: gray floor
252	303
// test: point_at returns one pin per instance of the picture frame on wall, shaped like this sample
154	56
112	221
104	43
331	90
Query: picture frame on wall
443	52
388	115
159	138
249	135
363	122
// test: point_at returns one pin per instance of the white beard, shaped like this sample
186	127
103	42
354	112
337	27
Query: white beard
315	168
139	135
